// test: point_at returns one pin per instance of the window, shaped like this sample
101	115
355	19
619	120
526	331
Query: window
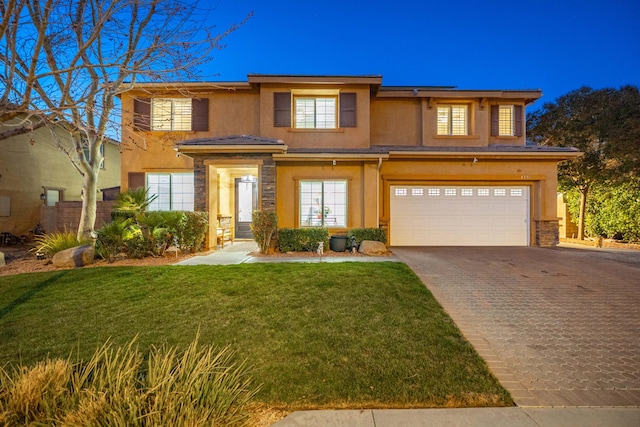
171	114
174	191
417	191
401	191
52	196
329	110
315	113
323	203
453	120
506	120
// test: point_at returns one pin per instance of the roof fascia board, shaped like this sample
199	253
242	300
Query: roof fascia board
312	157
567	155
459	94
195	149
310	79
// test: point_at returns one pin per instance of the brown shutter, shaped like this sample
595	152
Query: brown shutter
517	111
495	120
142	114
137	180
282	109
347	110
200	114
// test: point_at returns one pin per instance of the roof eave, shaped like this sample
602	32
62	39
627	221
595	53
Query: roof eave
555	156
313	157
230	149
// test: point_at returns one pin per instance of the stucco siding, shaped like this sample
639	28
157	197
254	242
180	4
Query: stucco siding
30	163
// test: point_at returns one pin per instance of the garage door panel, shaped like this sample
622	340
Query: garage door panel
459	216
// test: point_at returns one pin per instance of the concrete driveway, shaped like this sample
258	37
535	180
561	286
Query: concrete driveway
557	326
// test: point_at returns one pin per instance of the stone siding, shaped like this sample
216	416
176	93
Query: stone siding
547	233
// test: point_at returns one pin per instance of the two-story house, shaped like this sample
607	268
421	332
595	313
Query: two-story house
434	165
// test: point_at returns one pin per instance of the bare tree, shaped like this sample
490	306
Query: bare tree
64	62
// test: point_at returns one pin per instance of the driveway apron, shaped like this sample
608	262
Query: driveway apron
557	326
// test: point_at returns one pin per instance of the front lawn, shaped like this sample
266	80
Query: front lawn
340	335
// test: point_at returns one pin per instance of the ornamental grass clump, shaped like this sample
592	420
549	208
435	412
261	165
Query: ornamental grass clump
120	386
52	243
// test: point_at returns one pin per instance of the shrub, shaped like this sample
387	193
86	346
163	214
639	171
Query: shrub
132	202
302	239
191	230
159	229
375	234
119	386
52	243
264	225
110	241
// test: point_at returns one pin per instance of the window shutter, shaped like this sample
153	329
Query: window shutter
518	120
347	110
142	114
495	120
137	180
282	109
200	114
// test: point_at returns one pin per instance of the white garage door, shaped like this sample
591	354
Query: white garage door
459	216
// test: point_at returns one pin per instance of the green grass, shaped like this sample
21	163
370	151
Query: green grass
318	335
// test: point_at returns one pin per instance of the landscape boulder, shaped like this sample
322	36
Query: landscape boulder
74	257
372	248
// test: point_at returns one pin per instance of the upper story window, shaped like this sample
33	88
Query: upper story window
171	114
506	120
317	111
453	120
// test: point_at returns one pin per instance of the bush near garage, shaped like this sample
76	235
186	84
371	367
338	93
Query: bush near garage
360	234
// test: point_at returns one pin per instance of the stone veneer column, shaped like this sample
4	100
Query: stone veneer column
268	184
199	184
547	233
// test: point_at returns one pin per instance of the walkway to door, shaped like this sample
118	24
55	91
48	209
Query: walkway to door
557	326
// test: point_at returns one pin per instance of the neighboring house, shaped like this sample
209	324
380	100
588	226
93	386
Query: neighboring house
35	173
433	165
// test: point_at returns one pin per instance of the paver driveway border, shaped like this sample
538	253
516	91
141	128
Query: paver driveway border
559	327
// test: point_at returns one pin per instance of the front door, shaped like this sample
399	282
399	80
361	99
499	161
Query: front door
246	203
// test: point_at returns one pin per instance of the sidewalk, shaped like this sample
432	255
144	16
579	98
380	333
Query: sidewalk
240	253
476	417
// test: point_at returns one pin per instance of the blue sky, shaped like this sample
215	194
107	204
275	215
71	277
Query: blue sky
556	46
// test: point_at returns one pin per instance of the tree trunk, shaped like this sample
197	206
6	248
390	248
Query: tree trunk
583	209
89	205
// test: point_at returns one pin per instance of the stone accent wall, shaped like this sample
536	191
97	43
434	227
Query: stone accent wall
66	216
547	233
